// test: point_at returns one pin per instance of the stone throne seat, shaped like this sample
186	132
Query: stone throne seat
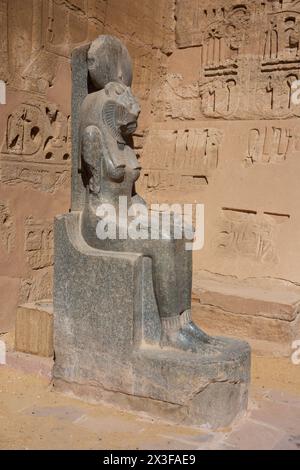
107	340
108	323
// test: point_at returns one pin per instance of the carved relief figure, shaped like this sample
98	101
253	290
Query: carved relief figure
191	153
39	243
221	45
245	49
23	136
219	97
36	133
222	40
269	145
280	58
36	129
249	234
282	36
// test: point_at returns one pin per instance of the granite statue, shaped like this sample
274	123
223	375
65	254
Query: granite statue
124	331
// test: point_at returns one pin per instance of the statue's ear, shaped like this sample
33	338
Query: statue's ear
114	88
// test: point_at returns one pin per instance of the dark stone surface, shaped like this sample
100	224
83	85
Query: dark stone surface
107	332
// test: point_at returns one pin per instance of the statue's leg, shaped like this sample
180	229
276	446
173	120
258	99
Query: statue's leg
172	279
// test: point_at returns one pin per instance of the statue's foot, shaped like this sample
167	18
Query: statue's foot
198	334
218	343
179	332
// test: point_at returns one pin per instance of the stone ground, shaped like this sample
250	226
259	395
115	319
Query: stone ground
33	416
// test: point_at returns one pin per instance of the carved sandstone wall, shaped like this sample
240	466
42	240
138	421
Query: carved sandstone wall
226	133
36	38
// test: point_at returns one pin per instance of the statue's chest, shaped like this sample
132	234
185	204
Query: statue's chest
127	157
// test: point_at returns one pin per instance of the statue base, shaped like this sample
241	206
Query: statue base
107	332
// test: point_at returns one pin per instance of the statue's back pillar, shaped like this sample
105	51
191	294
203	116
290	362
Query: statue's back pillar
107	326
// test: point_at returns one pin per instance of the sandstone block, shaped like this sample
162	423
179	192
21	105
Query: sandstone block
34	328
262	310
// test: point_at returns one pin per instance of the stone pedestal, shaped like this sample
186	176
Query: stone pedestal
107	333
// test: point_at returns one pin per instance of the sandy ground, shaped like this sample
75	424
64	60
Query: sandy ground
33	416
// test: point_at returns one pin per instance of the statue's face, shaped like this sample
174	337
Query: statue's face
122	108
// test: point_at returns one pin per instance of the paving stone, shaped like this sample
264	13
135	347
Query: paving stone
279	415
106	424
251	435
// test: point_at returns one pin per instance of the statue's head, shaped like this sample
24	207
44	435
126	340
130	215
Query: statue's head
120	110
109	61
110	69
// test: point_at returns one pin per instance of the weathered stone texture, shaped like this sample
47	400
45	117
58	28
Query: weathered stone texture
230	79
36	40
108	333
